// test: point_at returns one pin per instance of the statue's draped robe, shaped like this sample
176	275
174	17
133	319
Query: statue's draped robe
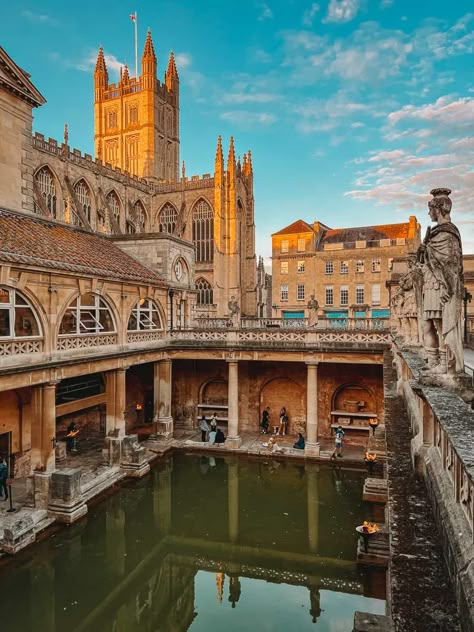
443	276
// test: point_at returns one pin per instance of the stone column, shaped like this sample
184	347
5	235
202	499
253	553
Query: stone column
233	500
120	401
233	440
110	403
312	445
312	477
48	426
162	385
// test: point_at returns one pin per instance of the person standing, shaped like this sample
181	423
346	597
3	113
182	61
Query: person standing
204	426
214	422
339	437
71	437
3	478
283	421
265	423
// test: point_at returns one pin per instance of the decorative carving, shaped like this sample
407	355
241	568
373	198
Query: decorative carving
313	307
440	256
14	347
81	342
234	312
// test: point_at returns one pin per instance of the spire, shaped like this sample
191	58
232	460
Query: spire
171	74
100	63
250	168
183	171
219	155
66	134
231	156
125	75
244	166
148	51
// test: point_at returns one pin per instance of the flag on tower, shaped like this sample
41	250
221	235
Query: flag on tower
133	17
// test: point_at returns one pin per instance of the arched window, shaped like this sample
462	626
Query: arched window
87	314
139	216
17	318
167	219
114	205
203	231
204	292
45	181
84	198
144	316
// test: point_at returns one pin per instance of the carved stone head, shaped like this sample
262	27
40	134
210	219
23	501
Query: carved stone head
440	205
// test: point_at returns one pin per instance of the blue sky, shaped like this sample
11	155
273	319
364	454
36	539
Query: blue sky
353	109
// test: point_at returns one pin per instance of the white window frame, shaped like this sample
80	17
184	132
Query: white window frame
344	288
143	312
329	267
87	317
284	267
284	293
376	294
360	266
300	293
376	265
360	291
329	289
11	307
284	245
301	267
301	244
344	267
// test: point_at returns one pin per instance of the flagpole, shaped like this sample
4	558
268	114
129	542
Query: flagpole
136	47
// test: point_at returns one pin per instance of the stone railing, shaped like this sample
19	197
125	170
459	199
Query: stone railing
324	324
86	341
21	346
144	336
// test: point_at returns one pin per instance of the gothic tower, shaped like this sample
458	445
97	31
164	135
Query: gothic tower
136	121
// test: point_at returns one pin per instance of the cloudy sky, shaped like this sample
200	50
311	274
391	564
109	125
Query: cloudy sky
353	109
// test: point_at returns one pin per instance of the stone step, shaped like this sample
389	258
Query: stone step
378	549
375	490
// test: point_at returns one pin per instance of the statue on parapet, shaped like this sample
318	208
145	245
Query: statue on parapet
411	284
234	312
313	307
440	257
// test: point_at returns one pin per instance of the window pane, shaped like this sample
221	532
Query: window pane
4	296
301	266
284	245
284	267
329	267
25	322
105	319
68	323
300	292
301	245
4	322
344	267
87	299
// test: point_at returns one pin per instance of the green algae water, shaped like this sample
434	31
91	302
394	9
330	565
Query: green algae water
203	543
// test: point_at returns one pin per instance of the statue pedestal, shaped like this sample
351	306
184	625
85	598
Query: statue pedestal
233	443
133	461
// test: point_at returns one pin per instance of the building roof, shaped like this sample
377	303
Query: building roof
366	233
17	81
42	243
297	227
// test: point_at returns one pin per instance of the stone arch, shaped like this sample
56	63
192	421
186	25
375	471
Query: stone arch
139	216
167	218
144	316
51	192
284	391
187	272
25	306
348	396
85	197
214	391
115	204
205	292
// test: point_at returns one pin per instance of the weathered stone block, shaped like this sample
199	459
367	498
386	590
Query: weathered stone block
18	532
66	500
60	451
112	451
134	461
233	443
40	484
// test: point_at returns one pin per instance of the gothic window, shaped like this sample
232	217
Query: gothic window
204	292
45	181
133	115
167	219
87	314
111	152
130	228
139	216
17	318
131	148
114	205
83	194
144	316
111	118
203	232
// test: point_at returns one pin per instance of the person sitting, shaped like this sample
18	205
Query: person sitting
220	438
265	423
299	445
212	436
272	444
71	441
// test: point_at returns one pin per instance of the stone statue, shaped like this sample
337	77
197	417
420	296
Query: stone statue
313	307
234	312
411	285
440	256
396	303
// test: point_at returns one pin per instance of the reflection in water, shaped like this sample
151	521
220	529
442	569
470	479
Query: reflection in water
275	540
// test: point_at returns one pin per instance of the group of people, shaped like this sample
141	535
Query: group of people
265	422
210	433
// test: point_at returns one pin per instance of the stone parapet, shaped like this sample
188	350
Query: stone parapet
134	461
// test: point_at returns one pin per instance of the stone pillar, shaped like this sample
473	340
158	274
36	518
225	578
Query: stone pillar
233	440
110	403
312	477
312	445
48	427
233	500
120	401
162	386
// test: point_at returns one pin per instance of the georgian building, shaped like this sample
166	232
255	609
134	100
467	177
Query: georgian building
346	268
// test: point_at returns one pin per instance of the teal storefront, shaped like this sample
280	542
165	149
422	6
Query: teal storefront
288	314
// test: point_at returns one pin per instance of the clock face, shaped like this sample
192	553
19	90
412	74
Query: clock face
178	270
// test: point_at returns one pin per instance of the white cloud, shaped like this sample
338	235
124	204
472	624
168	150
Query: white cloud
88	63
385	4
309	14
246	120
445	111
261	56
342	10
242	97
265	12
183	60
40	18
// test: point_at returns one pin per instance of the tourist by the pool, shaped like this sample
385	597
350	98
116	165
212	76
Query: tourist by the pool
339	436
299	445
204	426
71	441
265	423
220	438
283	421
3	478
272	444
214	422
212	436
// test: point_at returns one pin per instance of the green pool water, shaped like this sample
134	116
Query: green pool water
203	543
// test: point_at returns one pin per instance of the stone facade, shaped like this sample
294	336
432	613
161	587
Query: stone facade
346	269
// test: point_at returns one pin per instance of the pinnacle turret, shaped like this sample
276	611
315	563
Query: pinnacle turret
171	74
100	66
231	155
125	74
148	51
219	154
